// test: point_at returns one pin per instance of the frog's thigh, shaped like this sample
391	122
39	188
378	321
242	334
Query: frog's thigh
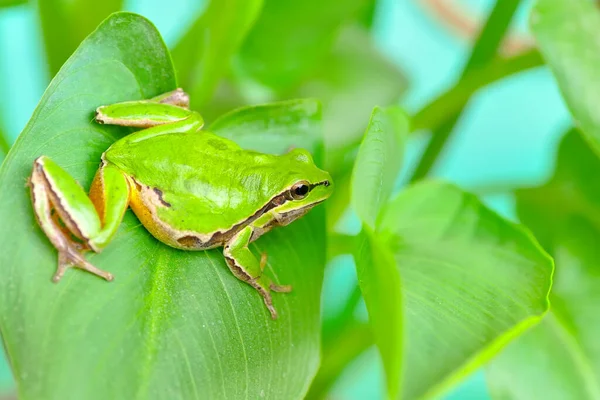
69	200
141	114
110	195
246	267
52	188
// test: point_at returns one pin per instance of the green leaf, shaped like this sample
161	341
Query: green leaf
568	34
290	38
173	323
65	23
204	53
379	282
565	215
283	125
10	3
4	143
378	162
471	281
357	78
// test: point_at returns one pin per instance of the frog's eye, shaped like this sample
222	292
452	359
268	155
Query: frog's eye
300	190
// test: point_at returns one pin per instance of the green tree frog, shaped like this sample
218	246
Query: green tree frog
190	188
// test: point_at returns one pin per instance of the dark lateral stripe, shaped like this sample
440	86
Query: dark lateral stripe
159	193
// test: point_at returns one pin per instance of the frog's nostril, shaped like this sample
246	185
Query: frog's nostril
326	183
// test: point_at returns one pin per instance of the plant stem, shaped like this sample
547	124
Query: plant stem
433	115
484	51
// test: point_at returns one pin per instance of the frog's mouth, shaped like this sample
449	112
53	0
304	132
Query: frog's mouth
290	216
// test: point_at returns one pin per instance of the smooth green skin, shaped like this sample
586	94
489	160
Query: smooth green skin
191	189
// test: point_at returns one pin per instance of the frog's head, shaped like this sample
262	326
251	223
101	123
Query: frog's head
304	185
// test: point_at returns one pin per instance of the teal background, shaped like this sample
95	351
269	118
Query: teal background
508	134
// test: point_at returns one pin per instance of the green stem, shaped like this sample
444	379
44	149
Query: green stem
434	115
484	51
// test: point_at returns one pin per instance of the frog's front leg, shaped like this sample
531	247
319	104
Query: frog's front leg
92	220
246	267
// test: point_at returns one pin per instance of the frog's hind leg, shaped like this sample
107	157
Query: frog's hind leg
89	223
165	109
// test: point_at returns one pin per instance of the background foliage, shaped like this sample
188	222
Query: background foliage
446	282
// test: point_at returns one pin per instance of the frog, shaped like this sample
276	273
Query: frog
192	189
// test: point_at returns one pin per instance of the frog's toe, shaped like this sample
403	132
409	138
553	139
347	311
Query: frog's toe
281	288
269	303
71	258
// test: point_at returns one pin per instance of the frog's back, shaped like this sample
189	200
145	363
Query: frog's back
197	182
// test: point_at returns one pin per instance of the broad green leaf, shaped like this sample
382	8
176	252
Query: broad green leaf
565	215
471	281
204	53
379	282
283	125
65	23
378	162
290	38
173	323
568	35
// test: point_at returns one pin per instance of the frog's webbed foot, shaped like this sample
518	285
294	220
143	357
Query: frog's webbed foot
244	265
70	258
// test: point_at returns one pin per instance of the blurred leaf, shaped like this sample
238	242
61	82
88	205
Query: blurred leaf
283	125
378	162
173	323
10	3
357	77
366	16
204	53
563	355
290	38
379	282
4	143
65	23
568	34
471	281
347	344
